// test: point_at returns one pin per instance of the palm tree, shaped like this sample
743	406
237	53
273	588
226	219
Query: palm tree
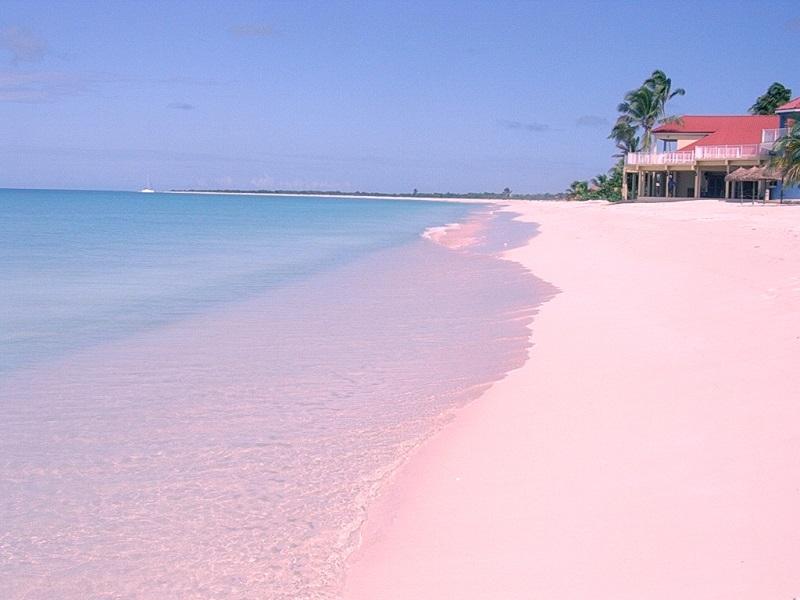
662	86
600	181
644	108
787	156
641	110
624	135
614	182
770	100
578	189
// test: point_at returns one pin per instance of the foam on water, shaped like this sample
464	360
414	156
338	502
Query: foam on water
231	454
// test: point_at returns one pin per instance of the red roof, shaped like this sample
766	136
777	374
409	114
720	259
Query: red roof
722	130
791	105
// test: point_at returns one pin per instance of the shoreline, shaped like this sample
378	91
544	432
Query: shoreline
280	412
643	449
463	236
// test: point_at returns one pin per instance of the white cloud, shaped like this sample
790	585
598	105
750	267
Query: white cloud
39	86
22	45
181	106
534	126
592	121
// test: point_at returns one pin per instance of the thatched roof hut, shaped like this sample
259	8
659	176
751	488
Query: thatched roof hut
754	175
771	174
751	174
737	175
765	173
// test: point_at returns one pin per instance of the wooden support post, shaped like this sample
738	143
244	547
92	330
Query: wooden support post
697	182
624	190
727	183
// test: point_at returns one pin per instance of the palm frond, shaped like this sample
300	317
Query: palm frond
671	120
787	156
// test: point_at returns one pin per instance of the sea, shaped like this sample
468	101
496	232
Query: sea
201	394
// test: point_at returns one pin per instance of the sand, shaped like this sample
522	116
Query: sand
648	448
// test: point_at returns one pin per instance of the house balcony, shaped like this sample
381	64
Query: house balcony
701	153
770	136
732	152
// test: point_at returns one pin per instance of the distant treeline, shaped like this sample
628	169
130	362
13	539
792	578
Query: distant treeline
469	195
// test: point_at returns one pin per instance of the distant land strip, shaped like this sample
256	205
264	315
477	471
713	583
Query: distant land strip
467	195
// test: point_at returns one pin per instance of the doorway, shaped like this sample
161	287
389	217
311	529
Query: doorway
714	184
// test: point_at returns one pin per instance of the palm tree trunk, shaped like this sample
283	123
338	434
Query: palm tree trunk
646	139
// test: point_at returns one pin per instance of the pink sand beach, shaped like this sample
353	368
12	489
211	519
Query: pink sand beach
650	445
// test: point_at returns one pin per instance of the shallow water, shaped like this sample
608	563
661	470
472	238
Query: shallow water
81	268
230	453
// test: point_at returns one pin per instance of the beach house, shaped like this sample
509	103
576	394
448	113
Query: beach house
694	156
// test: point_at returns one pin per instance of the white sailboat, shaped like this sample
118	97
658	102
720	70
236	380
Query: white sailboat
148	189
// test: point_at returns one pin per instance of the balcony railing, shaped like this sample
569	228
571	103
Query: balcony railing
660	158
741	151
728	152
769	136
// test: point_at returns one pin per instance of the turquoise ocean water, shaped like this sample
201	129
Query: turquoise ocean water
80	268
199	395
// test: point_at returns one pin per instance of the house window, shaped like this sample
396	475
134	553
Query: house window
670	145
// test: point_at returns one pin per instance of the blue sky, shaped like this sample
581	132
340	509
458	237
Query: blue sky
378	96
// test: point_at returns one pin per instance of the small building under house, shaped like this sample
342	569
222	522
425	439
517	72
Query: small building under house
694	155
